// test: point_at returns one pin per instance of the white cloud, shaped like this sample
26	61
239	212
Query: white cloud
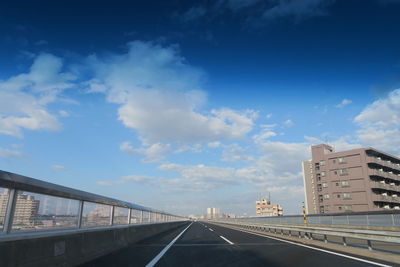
8	153
297	9
159	96
268	116
63	113
288	123
198	177
23	98
384	112
58	167
265	134
380	123
153	153
104	183
343	103
193	13
214	144
235	152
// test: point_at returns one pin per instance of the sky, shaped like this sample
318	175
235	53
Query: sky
183	105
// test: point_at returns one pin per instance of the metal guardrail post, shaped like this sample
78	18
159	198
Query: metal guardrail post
9	216
129	216
344	241
112	215
325	239
80	212
369	244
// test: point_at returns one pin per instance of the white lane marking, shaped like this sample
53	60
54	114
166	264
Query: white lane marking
158	257
210	229
319	249
230	243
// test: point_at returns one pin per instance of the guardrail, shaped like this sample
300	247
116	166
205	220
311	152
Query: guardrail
390	218
29	205
308	232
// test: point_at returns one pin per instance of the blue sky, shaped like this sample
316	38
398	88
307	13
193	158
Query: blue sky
190	104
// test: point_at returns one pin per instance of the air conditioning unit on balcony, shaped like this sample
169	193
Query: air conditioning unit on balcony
391	172
381	170
392	184
397	207
394	195
382	182
386	207
384	194
378	158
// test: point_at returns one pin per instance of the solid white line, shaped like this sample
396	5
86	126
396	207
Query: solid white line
230	243
210	229
319	249
158	257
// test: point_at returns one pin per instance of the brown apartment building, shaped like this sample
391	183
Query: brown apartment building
265	208
363	179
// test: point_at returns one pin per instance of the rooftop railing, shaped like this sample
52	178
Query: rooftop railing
29	205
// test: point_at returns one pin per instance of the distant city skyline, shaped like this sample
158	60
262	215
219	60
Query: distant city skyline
194	104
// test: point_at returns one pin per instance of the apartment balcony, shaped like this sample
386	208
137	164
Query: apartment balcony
387	199
377	172
385	186
385	163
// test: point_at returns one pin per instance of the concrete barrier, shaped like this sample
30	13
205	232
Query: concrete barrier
73	247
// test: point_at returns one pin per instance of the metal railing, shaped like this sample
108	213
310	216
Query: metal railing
29	205
385	163
375	219
310	232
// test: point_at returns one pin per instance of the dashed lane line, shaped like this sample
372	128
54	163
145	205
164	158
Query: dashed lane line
230	242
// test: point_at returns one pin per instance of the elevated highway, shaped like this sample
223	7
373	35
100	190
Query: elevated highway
44	224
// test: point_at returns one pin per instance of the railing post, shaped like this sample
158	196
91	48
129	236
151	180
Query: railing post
112	216
344	241
9	216
141	216
80	212
129	216
325	239
369	244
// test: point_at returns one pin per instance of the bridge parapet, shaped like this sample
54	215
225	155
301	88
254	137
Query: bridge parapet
43	224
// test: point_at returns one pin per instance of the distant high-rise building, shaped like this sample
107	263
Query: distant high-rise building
363	179
26	209
265	208
213	213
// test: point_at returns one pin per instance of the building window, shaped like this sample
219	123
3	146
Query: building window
340	208
324	185
342	160
334	161
326	208
348	207
337	184
317	166
323	174
345	183
346	195
343	172
338	196
322	163
326	196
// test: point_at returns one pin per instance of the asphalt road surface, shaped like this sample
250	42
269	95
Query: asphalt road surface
203	244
